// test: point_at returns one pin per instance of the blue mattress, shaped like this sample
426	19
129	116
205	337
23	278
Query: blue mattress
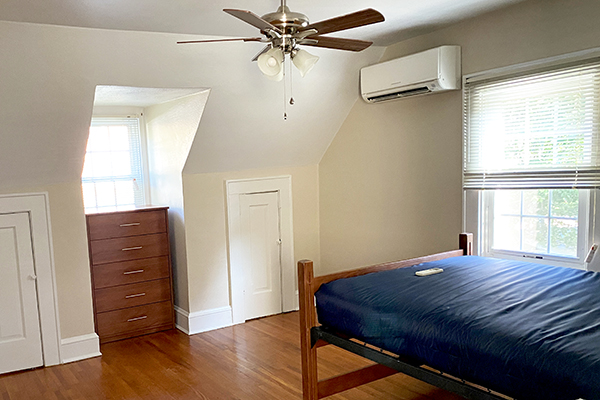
526	330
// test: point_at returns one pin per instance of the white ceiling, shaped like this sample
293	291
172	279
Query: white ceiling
404	18
138	97
49	75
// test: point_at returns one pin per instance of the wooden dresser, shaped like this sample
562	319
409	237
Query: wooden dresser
131	272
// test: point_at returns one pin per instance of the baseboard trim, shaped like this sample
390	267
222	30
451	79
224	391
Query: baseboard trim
79	348
202	321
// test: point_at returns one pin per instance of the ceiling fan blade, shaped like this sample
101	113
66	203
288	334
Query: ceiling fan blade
253	19
348	21
336	43
267	48
254	39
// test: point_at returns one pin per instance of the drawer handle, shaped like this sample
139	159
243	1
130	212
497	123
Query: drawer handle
133	272
135	295
132	248
137	318
130	224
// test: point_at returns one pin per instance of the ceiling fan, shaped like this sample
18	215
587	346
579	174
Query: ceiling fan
285	30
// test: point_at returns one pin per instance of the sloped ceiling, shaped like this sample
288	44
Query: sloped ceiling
106	96
49	73
48	80
405	18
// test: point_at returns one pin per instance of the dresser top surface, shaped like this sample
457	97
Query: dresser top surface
126	210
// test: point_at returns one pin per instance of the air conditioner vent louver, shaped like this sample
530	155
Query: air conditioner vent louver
397	95
434	70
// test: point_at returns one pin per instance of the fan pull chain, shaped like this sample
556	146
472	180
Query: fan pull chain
284	92
291	86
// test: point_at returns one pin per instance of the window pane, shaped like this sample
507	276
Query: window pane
535	235
565	203
507	233
535	202
536	230
105	194
121	163
119	138
563	237
125	192
89	195
508	202
100	164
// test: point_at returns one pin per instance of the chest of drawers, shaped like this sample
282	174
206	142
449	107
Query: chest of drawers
131	272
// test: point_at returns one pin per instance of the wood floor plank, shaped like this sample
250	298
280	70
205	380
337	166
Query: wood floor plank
258	360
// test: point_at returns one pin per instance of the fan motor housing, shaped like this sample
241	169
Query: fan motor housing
289	22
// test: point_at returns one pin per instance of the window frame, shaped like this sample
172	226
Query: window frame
125	114
583	235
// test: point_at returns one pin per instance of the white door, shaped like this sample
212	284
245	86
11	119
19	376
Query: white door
20	341
259	214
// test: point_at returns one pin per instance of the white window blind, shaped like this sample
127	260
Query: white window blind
539	130
113	176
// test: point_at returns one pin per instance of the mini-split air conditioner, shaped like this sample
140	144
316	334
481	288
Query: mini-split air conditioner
434	70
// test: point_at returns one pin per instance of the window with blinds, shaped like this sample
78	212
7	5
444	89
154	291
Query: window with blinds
113	174
531	159
538	130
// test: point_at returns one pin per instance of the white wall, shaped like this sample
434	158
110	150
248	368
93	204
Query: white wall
171	128
206	229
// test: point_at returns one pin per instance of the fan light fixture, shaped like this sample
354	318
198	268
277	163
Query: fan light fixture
271	64
304	61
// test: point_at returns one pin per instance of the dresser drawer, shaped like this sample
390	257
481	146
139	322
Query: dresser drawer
122	224
133	319
129	248
135	294
122	273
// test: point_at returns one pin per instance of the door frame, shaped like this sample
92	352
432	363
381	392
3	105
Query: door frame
37	206
240	187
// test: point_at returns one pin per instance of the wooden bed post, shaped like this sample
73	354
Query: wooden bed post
465	242
307	321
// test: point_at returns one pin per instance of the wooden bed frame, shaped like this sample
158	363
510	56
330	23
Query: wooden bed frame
313	336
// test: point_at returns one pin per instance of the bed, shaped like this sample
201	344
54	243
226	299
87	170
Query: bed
484	328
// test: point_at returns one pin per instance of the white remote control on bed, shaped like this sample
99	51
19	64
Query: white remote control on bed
429	271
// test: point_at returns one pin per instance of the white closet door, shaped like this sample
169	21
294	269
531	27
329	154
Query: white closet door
20	341
260	233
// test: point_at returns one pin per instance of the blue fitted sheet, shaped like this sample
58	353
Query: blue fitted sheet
527	330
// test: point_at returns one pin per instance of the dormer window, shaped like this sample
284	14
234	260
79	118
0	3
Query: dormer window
113	173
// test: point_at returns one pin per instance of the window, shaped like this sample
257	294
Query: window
113	176
539	224
532	149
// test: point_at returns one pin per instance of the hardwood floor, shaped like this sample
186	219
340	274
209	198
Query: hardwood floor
258	360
